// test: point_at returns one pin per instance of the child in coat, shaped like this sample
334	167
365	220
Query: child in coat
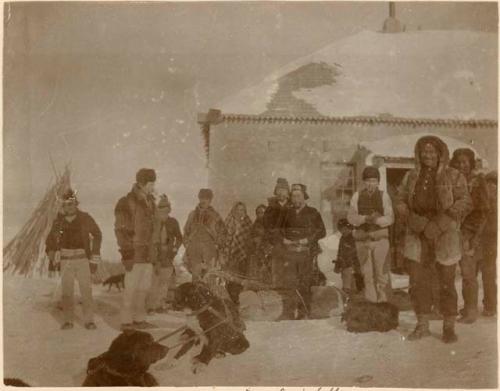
347	263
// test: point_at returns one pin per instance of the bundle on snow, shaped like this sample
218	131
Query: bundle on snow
26	251
364	316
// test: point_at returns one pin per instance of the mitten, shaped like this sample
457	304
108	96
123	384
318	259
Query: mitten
432	231
417	223
93	267
369	219
128	259
94	263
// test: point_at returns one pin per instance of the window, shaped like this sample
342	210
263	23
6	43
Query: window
338	185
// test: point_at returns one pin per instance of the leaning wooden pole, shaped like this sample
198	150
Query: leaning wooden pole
25	253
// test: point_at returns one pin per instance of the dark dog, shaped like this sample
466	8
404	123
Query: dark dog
234	289
117	280
364	316
220	338
14	382
126	362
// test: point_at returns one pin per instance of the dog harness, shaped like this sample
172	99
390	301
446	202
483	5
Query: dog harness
208	307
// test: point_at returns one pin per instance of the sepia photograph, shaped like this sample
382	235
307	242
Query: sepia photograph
250	194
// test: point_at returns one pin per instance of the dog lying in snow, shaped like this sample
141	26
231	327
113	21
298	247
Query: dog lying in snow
364	316
117	280
126	362
217	323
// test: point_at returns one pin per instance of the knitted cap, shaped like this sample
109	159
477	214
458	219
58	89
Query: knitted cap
371	172
281	183
206	194
468	153
302	188
343	223
164	202
261	206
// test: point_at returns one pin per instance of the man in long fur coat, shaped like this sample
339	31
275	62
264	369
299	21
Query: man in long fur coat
434	199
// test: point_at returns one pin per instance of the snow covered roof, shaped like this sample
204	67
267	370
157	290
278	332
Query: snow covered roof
420	74
405	145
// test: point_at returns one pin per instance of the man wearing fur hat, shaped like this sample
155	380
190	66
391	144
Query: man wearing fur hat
273	222
76	239
167	239
371	213
433	199
464	161
204	236
302	228
134	223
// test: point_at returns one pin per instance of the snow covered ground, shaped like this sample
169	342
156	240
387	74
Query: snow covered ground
294	353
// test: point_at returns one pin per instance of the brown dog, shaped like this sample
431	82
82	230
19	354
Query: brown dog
117	280
126	362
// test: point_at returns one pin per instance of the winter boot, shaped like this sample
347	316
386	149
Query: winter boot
489	313
422	328
468	317
449	335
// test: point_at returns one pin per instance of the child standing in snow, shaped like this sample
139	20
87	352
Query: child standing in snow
347	263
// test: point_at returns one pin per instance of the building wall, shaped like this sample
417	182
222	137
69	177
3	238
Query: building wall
245	158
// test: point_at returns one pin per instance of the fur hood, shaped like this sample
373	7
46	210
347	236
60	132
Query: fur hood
440	145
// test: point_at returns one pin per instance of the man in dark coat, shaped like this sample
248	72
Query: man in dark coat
204	236
433	199
75	238
464	161
167	239
134	222
301	230
273	222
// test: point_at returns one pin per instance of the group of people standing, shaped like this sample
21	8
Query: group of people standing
450	216
449	213
280	243
276	249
